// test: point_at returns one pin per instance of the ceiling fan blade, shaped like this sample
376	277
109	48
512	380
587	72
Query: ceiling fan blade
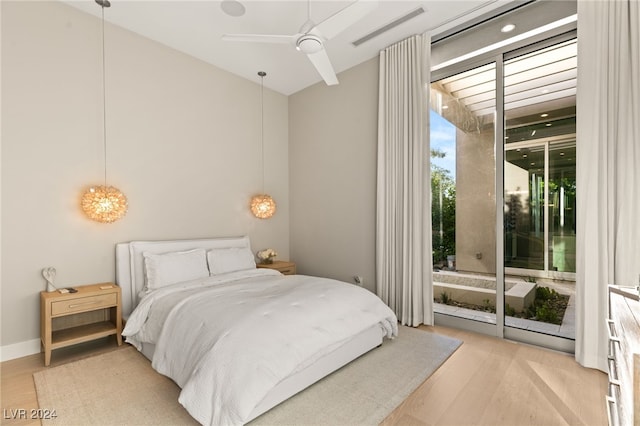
321	61
343	19
261	38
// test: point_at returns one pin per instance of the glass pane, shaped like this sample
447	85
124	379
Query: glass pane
562	206
524	208
540	189
463	194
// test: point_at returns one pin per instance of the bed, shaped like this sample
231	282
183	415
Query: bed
237	339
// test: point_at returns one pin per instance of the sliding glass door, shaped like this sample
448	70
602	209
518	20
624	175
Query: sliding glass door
503	185
463	177
539	192
540	110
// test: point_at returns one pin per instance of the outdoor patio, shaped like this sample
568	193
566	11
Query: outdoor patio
478	288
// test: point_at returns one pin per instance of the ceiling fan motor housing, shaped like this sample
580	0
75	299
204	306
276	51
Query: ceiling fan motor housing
309	43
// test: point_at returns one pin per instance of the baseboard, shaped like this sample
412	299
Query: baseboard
18	350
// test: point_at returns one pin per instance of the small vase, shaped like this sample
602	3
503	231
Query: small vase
268	261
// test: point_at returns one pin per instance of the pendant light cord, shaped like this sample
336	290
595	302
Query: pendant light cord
262	74
104	99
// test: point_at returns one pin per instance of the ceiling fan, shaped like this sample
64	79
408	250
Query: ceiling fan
311	37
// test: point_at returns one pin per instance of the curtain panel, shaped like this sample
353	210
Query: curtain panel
403	221
608	165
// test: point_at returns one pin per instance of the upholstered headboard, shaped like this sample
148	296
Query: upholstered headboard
130	261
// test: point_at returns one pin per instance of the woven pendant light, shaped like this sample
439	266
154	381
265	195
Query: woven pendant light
104	203
262	205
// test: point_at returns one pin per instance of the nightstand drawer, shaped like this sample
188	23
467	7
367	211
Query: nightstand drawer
288	271
81	304
284	267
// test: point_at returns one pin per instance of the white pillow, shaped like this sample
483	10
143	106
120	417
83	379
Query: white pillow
230	260
170	268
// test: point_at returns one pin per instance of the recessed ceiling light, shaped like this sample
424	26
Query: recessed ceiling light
533	133
524	155
544	115
548	124
232	7
533	164
562	153
508	28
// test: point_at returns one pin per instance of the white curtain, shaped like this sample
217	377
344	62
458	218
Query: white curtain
608	165
403	222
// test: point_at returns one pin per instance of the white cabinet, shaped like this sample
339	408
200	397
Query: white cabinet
624	356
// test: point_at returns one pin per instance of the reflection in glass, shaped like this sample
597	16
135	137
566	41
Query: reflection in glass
540	116
524	208
562	206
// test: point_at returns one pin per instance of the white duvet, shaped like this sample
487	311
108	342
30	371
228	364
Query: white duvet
228	340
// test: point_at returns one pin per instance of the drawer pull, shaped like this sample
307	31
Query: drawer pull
613	372
610	401
92	302
611	331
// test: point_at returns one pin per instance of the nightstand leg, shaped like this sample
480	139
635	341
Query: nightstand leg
118	312
47	357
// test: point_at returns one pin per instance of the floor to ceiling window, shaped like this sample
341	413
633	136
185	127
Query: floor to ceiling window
463	193
503	181
540	167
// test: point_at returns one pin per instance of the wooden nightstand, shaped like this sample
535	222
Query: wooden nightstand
70	318
285	267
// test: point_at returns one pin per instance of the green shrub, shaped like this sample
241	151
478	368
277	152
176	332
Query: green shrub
545	293
542	308
546	313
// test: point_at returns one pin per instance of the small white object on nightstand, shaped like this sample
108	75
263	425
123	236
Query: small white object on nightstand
49	274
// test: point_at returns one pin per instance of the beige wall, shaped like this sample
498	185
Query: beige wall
332	153
475	202
183	144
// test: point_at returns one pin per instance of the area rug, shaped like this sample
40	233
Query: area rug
121	388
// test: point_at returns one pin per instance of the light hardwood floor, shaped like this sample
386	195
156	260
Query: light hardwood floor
487	381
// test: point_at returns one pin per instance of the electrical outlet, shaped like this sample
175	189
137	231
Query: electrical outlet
358	280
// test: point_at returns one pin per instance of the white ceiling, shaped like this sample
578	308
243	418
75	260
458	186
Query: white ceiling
196	28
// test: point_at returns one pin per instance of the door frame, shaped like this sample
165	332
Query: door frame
499	328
